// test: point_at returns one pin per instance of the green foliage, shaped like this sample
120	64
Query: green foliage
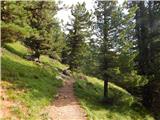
123	105
127	80
148	51
90	64
78	33
125	74
34	24
58	42
106	56
48	37
117	53
13	24
12	32
126	42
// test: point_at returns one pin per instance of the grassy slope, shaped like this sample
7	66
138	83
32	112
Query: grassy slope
124	105
33	86
29	85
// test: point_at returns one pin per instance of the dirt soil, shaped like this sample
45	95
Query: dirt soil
66	106
5	106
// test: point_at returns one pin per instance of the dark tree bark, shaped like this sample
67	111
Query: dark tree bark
105	88
105	49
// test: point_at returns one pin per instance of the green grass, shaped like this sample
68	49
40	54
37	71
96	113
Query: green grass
17	48
53	63
123	106
31	86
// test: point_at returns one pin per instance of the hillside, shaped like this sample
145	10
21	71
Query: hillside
122	105
28	87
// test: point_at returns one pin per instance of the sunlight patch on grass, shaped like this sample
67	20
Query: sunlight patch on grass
51	62
17	48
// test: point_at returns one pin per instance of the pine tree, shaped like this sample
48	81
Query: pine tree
103	12
14	24
41	19
90	62
117	43
125	40
148	32
78	33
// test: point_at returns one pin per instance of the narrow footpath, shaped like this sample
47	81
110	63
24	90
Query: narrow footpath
66	106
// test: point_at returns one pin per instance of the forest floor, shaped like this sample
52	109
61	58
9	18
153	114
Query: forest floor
66	106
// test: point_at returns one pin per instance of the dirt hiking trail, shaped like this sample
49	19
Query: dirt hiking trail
66	106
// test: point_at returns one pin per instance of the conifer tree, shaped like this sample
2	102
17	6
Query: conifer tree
13	21
103	13
41	19
148	43
78	33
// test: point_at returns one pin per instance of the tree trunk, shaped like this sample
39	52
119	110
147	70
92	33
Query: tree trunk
147	96
106	88
37	54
